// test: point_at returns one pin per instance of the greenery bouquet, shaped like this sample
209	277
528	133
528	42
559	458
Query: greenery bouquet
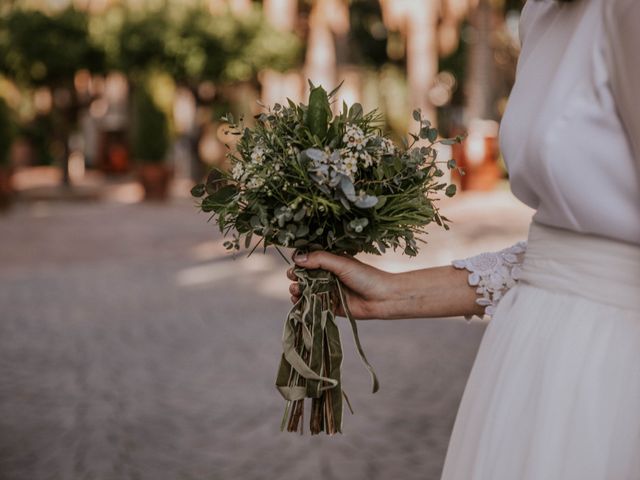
306	179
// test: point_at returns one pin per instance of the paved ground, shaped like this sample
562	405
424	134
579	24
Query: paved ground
133	347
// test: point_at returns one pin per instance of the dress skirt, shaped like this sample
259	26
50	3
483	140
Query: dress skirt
554	392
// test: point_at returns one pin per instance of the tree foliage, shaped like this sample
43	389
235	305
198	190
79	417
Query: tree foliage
150	129
192	45
47	49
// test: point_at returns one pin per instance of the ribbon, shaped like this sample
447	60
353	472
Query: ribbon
310	366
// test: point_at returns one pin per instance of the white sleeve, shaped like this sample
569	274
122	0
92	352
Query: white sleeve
622	51
493	274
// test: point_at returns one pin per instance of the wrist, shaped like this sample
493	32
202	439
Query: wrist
405	297
428	293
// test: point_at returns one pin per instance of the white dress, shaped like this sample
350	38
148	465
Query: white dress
554	392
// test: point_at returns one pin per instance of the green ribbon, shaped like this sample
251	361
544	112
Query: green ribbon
311	361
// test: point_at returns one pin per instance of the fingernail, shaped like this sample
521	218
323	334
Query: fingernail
300	257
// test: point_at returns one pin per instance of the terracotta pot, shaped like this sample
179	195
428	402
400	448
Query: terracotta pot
6	187
155	180
481	173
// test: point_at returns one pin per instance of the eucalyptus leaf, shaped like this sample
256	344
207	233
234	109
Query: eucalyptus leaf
315	154
299	215
198	190
346	185
451	190
366	201
255	222
302	230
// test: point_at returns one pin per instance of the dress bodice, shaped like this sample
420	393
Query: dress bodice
566	145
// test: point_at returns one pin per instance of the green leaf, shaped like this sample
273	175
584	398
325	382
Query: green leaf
302	231
335	90
451	190
219	199
198	190
355	112
299	215
255	223
452	141
432	134
381	202
417	115
451	164
318	113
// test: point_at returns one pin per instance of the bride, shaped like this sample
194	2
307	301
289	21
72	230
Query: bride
554	392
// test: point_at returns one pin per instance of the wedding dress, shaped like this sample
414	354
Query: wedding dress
554	392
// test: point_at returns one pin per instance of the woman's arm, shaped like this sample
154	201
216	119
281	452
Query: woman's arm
471	286
373	293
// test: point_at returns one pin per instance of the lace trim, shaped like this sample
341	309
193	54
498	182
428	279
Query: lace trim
493	273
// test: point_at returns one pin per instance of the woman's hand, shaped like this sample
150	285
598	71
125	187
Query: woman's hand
367	288
373	293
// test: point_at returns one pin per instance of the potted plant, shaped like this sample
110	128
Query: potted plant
150	145
6	169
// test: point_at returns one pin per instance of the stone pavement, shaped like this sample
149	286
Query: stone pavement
132	346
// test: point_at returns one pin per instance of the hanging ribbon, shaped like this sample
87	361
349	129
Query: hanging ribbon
311	361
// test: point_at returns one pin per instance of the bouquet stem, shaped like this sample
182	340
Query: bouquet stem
311	361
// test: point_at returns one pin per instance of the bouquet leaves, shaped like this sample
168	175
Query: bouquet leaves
303	178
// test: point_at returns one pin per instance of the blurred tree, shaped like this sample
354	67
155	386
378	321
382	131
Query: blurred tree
150	144
193	45
369	34
38	49
202	50
150	128
138	43
7	130
6	140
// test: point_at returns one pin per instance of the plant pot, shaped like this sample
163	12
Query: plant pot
482	171
6	187
155	179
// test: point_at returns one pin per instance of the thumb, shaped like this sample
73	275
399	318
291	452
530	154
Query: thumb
331	262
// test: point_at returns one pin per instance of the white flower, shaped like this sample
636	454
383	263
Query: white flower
366	158
350	165
387	146
237	171
292	151
255	182
354	137
257	155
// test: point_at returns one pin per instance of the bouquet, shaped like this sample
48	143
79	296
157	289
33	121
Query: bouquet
305	179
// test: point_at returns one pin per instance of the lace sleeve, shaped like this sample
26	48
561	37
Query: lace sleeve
493	273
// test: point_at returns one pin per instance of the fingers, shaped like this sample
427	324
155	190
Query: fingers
294	289
291	275
326	261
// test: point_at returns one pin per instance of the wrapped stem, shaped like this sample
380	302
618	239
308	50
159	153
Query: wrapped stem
311	361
